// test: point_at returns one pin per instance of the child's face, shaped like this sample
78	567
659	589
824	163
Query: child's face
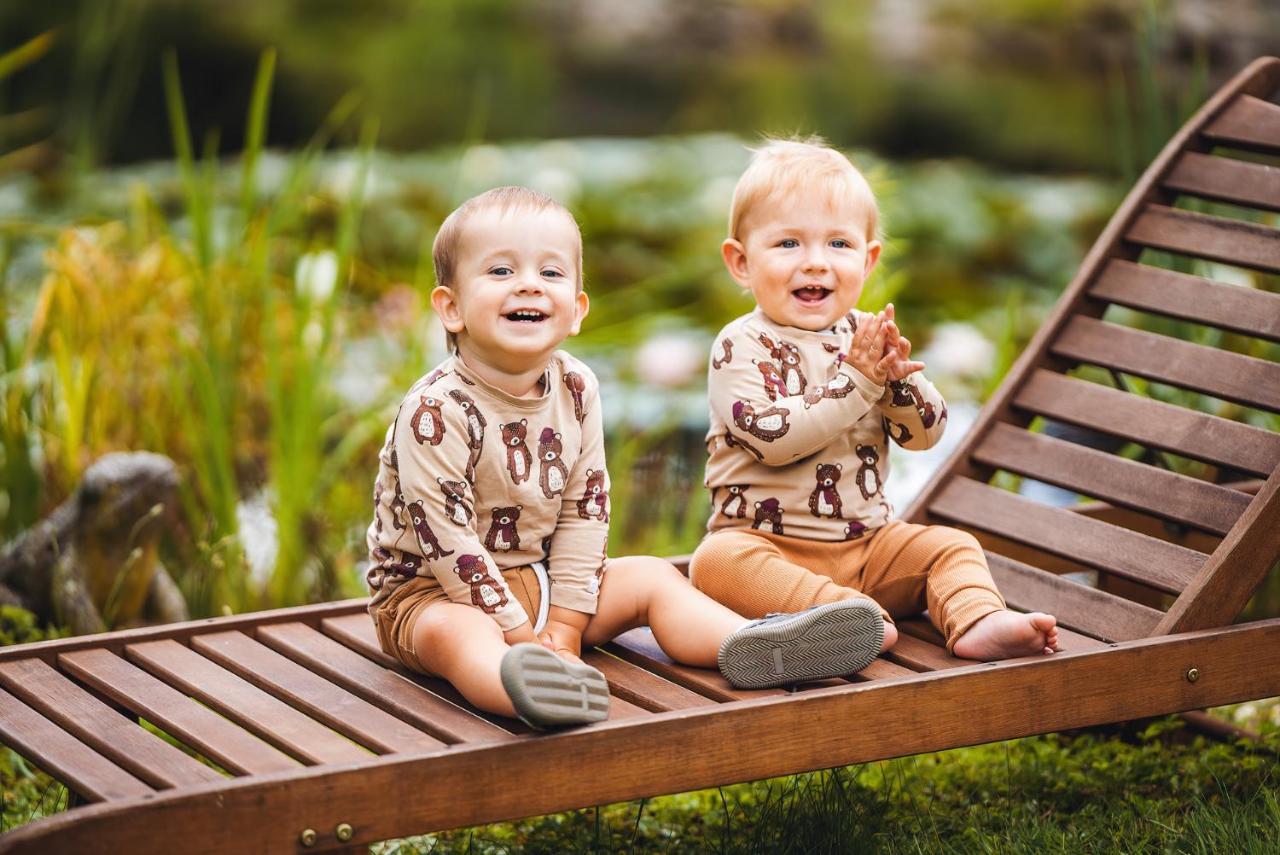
515	295
803	260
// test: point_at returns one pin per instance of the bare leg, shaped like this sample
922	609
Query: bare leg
464	646
640	590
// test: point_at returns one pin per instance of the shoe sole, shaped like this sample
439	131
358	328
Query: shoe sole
548	691
828	641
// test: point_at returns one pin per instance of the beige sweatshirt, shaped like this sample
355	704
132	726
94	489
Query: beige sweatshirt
798	442
474	481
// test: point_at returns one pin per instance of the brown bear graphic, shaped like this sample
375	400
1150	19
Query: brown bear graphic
428	427
733	442
726	344
403	564
553	475
854	530
773	382
475	430
769	511
398	509
837	387
907	394
830	348
487	593
735	504
576	386
377	507
868	477
767	424
824	501
502	536
787	358
898	433
456	507
594	502
431	549
519	458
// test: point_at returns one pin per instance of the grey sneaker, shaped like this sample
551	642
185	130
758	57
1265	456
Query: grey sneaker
548	691
817	643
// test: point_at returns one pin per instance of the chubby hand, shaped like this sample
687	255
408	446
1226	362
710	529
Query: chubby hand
898	347
522	633
562	639
867	353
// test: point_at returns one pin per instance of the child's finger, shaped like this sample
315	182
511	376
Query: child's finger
911	367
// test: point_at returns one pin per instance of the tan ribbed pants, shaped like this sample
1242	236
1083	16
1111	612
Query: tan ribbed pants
904	568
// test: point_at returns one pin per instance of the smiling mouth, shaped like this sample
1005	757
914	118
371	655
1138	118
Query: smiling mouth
811	294
526	316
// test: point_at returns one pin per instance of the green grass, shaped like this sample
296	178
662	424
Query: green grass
1143	788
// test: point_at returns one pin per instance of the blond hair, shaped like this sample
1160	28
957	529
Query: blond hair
445	247
784	167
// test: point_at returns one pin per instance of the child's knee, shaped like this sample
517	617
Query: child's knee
713	568
641	571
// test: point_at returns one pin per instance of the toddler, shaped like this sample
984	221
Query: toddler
805	394
491	504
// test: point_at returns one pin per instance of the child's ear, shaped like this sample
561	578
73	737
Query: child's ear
445	303
735	259
581	305
873	255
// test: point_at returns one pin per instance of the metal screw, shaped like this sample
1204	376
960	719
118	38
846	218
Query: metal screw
308	837
343	832
1193	674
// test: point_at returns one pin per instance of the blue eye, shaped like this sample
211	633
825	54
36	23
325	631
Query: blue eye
841	243
552	274
501	270
789	243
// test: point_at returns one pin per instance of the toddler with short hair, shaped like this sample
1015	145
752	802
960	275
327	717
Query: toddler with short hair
805	394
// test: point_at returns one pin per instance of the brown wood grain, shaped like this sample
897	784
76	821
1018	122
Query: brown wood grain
1091	542
921	654
311	693
1114	479
639	648
809	730
1243	379
378	685
1190	298
120	740
1152	423
643	688
1206	236
88	773
178	715
1076	606
243	703
1248	122
1225	179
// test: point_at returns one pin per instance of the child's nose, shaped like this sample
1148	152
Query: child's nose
816	260
530	283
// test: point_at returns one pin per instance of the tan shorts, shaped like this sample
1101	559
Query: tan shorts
396	616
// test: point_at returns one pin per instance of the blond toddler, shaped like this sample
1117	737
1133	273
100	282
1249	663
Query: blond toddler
805	394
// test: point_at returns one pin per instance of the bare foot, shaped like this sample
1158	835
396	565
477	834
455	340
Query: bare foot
1006	634
890	636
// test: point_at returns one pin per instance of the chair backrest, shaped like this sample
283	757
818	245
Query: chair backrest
1153	388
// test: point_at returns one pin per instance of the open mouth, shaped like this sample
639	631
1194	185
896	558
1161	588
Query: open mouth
811	294
526	316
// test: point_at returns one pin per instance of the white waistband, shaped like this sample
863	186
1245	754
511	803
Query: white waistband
544	595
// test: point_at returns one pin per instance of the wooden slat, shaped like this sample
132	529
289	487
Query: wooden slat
1238	182
1151	423
1190	298
882	669
378	685
1114	479
249	706
639	648
209	733
643	688
1204	236
120	740
356	632
312	694
920	655
1076	606
1248	122
88	773
1092	543
1243	379
921	631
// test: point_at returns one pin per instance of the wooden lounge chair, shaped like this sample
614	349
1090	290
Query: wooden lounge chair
321	742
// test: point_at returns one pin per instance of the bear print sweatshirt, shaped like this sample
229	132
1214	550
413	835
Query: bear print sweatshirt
473	481
798	444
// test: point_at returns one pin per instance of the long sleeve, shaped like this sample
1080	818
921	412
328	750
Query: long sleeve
582	529
915	414
431	444
773	411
